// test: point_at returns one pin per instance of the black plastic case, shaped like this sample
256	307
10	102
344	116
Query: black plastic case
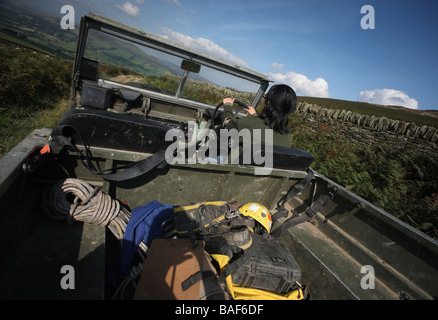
267	265
97	97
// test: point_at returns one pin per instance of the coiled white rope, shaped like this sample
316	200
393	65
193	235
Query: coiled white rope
73	200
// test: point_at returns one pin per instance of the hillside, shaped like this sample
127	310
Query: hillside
40	31
419	117
36	29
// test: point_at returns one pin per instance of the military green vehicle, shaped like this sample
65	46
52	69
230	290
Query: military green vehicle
132	94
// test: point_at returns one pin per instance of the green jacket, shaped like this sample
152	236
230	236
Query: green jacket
254	122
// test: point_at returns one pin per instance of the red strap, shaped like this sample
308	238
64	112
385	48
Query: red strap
45	149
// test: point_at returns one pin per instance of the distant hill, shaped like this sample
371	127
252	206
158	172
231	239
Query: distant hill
419	117
25	25
37	29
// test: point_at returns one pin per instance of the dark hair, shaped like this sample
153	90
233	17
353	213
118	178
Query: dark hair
280	101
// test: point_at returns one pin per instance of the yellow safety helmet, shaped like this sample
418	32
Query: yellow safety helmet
259	212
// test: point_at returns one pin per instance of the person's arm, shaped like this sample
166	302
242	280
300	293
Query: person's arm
251	111
228	114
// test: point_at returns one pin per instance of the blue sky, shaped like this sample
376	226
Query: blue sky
316	46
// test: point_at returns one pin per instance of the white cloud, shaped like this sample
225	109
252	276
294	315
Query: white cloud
388	97
201	44
302	85
129	8
278	67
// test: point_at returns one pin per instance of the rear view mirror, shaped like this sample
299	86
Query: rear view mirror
190	66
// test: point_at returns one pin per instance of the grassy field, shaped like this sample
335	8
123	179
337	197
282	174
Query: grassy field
419	117
11	38
111	51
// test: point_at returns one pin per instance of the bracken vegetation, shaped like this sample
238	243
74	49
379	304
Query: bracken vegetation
30	78
33	87
401	181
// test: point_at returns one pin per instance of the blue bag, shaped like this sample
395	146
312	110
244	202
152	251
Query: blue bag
144	224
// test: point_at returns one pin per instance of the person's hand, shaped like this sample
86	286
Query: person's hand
251	110
228	100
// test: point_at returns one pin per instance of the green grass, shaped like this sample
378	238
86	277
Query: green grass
22	43
17	123
33	88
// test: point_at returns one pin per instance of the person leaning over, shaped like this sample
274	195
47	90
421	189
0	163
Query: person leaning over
278	103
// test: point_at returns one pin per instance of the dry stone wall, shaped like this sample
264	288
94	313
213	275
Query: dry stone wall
371	130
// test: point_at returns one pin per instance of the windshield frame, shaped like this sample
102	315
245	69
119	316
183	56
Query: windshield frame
140	37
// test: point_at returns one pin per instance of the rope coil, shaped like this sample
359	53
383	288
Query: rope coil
73	200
